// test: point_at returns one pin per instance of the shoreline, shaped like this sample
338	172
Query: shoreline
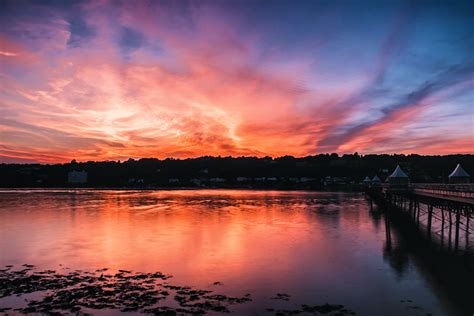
17	189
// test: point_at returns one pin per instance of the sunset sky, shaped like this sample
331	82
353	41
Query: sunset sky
109	80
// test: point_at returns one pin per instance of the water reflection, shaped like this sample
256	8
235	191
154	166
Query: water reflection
449	275
318	247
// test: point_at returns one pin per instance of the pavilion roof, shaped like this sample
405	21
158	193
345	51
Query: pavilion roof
459	172
376	179
398	173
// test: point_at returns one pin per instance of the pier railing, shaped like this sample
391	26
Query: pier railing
450	204
455	190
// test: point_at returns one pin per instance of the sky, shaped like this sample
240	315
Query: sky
112	80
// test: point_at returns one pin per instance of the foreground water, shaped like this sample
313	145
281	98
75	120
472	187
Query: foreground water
316	247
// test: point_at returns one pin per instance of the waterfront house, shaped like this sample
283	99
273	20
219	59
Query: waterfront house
217	180
196	181
77	177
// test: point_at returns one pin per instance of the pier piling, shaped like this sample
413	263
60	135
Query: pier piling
451	209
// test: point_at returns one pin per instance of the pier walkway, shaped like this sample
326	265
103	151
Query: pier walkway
452	205
462	193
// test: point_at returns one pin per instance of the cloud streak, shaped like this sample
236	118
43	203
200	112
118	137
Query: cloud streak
112	80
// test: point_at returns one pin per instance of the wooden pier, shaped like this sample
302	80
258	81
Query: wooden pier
450	205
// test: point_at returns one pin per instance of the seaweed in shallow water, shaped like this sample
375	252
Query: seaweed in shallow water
126	291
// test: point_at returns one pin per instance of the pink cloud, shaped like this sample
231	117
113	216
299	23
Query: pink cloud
193	87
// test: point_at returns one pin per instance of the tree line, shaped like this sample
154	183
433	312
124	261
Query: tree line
287	171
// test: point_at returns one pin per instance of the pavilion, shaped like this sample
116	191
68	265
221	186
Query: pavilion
398	177
459	175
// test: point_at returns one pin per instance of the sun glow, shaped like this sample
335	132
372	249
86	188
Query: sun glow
107	81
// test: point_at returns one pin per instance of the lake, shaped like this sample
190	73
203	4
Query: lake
310	247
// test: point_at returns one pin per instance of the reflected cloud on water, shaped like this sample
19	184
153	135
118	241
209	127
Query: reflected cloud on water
318	247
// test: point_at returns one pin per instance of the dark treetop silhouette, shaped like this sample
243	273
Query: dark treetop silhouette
311	172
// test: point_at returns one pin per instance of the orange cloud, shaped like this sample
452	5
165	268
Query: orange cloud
187	88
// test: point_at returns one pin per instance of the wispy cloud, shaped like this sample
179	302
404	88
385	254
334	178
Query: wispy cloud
112	80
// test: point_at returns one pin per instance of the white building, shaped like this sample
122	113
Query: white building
77	177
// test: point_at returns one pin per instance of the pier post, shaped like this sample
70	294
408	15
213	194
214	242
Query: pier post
450	225
430	215
467	228
418	213
467	223
388	235
456	240
414	211
442	225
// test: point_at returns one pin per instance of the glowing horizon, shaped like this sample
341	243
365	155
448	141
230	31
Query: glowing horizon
112	80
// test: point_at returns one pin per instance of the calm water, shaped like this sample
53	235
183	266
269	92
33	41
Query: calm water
317	247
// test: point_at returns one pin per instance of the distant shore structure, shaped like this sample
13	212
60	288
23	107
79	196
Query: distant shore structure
77	177
398	177
366	180
376	180
459	175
